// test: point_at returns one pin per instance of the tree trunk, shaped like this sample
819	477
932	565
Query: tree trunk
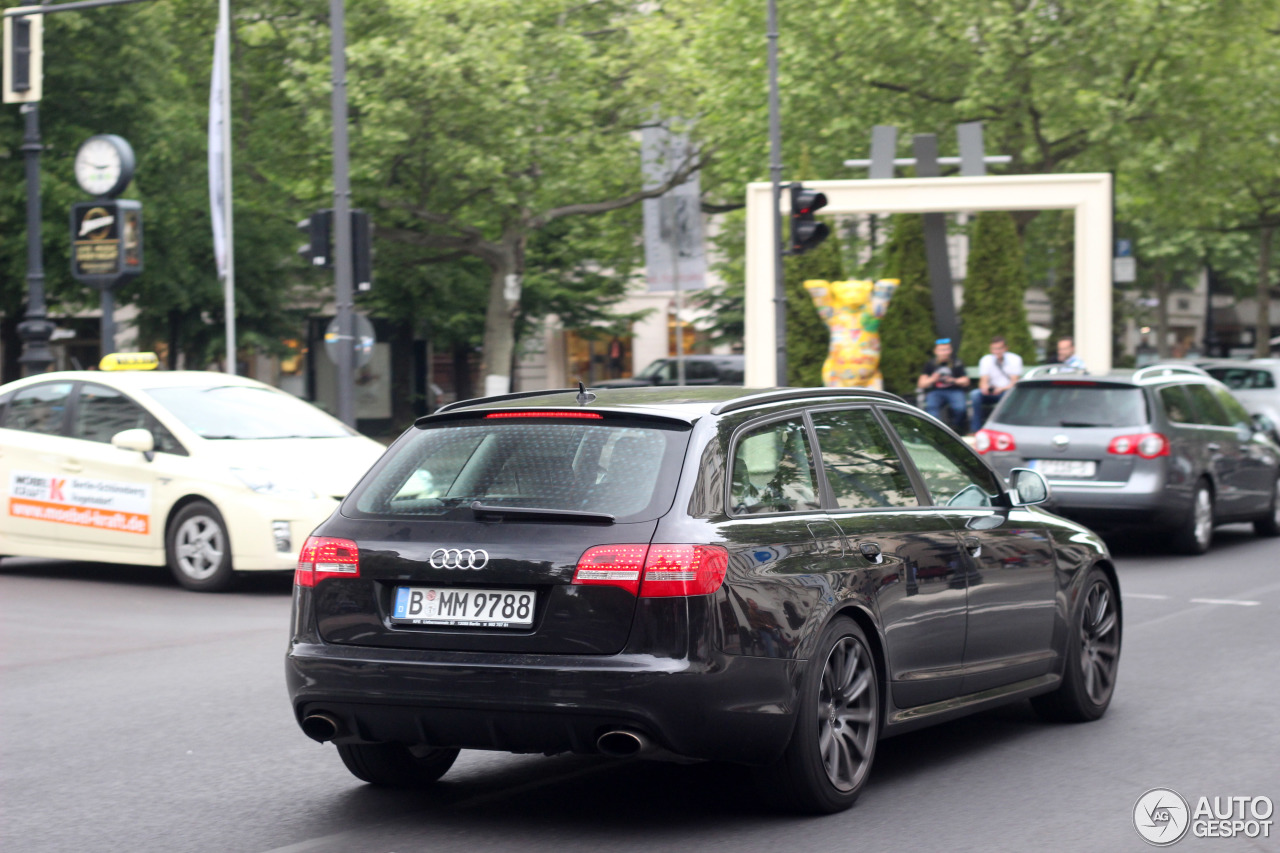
1262	347
1162	312
505	282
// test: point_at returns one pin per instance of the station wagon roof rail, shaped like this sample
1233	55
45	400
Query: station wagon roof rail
1158	371
779	395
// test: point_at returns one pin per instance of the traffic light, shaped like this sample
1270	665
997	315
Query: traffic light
23	60
362	250
318	250
806	232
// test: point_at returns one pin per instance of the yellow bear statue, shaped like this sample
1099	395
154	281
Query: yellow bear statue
852	311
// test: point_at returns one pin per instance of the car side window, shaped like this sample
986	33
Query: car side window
953	475
101	412
1236	412
699	370
1176	405
41	408
1206	406
862	467
773	470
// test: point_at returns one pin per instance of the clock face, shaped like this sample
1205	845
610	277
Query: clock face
104	165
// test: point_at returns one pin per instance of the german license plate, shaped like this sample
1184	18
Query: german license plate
1066	467
490	608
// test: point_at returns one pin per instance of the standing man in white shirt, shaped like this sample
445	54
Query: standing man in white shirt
998	371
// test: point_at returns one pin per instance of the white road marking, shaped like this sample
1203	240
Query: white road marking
1152	596
1225	601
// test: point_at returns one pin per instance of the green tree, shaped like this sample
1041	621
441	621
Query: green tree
808	337
907	332
995	288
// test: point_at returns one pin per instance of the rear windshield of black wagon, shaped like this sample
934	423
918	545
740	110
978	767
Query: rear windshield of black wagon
624	468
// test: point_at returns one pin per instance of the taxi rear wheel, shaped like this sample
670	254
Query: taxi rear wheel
198	548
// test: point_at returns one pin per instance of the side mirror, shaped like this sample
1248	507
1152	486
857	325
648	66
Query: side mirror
1028	487
140	440
1261	423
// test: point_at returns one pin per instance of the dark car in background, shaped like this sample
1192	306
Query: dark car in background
1165	447
777	579
698	370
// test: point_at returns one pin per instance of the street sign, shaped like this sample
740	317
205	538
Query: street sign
364	340
1124	270
106	242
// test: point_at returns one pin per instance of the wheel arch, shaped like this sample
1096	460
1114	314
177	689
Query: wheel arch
862	617
182	503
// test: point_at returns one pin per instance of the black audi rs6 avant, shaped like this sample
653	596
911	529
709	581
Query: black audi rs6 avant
774	578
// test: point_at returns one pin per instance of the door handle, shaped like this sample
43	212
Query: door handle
73	466
973	545
871	551
1213	445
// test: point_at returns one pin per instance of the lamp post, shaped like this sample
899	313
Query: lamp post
35	329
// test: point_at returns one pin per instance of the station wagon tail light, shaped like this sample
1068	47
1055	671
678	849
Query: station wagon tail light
611	565
654	571
587	416
1148	445
985	440
326	557
672	570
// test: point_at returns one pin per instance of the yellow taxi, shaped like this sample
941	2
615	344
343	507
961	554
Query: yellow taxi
207	473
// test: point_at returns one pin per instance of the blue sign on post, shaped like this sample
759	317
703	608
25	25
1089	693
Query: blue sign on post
1124	248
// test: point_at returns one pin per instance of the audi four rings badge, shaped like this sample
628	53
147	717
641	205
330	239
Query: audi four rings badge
459	558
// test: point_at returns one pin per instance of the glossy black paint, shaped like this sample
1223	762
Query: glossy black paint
964	609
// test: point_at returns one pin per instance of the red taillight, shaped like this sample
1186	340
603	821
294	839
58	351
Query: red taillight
654	571
592	416
611	565
1148	445
325	557
985	440
683	570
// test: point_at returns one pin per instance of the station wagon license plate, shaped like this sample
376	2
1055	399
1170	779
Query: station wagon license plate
1065	467
491	608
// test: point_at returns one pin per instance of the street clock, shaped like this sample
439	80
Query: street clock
104	165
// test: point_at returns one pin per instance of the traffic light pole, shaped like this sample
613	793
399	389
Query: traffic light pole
775	171
342	272
35	329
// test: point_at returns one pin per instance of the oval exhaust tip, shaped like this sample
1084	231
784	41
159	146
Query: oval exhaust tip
320	727
622	743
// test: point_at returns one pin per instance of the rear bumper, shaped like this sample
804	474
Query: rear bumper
1146	498
724	708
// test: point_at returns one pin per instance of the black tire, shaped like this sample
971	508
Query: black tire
1093	656
829	758
1269	524
1195	534
392	765
198	548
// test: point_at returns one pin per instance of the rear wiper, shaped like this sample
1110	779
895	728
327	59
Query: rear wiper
1080	424
542	512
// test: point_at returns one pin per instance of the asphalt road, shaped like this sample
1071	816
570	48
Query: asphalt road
135	716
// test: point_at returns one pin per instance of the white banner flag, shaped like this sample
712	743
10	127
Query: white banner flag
217	178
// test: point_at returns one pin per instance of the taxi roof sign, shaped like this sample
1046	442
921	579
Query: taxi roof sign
129	361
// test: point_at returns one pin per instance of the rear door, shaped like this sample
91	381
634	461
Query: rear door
1222	453
469	532
38	518
921	593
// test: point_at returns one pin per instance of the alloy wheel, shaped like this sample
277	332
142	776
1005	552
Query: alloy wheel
1099	642
200	547
847	714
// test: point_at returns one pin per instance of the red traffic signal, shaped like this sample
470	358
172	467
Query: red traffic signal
806	232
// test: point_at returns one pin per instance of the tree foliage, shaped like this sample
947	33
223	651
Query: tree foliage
995	288
907	331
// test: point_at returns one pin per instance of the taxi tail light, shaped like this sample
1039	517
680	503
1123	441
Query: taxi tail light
654	571
986	440
1148	445
326	557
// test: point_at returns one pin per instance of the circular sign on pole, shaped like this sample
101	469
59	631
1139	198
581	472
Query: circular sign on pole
364	340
